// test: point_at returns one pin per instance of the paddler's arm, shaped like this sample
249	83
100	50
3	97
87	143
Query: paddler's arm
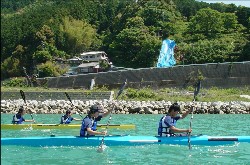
91	132
178	130
76	119
29	120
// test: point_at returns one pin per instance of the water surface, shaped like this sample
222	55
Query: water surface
155	154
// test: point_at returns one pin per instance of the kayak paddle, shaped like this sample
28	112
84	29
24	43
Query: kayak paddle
23	97
196	91
67	95
102	146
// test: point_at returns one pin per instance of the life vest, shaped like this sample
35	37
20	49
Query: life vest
163	129
17	119
66	120
83	131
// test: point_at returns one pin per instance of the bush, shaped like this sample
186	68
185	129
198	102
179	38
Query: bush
42	56
143	93
15	82
50	69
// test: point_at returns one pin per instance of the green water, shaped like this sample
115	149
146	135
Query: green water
154	154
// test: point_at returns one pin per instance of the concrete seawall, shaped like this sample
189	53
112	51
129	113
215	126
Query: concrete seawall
43	96
223	75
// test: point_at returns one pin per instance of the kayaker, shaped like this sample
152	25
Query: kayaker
167	124
18	118
89	123
67	118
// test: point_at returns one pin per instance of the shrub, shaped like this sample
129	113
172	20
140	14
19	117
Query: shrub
143	93
15	82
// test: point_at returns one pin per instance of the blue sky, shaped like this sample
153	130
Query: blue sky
239	2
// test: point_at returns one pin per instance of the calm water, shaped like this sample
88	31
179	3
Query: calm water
238	153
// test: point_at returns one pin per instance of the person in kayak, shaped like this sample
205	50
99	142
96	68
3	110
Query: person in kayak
18	118
89	123
67	118
167	124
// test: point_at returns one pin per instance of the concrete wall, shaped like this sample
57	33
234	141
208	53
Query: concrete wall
235	74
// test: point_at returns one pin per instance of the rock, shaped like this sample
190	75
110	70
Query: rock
124	107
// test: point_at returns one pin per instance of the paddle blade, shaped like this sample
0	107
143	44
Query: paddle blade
101	148
32	118
23	96
80	115
197	89
189	145
67	95
122	88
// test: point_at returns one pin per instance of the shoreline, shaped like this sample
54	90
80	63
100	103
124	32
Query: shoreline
123	107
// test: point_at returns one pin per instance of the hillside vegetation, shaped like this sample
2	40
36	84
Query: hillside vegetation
34	33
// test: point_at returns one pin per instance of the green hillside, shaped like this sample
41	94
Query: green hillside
34	33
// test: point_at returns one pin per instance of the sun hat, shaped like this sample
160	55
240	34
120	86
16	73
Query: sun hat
96	108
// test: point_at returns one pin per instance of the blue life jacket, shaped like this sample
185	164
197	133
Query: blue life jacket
163	128
66	120
160	128
17	119
83	131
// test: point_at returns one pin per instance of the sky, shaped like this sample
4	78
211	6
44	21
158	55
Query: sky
237	3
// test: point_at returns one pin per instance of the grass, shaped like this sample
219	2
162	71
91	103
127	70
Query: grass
167	94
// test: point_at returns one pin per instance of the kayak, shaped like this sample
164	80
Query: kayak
62	126
122	140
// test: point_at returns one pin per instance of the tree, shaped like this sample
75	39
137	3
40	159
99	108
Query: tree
77	36
230	22
50	69
45	35
207	22
42	56
243	13
245	55
205	51
135	46
10	67
248	25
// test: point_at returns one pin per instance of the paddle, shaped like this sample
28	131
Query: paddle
196	91
102	146
23	97
67	95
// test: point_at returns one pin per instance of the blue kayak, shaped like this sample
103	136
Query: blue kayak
124	140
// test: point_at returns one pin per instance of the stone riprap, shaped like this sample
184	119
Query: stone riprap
122	107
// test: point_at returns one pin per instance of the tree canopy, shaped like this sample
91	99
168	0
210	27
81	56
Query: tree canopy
35	33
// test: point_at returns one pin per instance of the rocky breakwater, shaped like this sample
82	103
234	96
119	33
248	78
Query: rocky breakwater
123	107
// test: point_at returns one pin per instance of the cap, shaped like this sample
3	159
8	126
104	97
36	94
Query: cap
21	109
68	112
174	107
96	108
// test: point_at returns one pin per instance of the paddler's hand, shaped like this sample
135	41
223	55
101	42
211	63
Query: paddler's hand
189	130
104	133
193	107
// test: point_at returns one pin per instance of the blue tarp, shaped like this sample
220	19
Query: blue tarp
166	58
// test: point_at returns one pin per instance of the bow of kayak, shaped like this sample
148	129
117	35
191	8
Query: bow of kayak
125	140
